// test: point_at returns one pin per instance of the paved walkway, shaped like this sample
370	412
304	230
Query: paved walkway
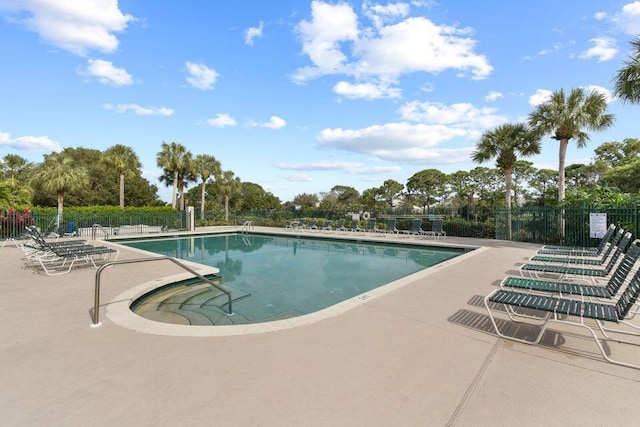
422	355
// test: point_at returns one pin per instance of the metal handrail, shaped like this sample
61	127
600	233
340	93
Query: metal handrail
94	231
96	305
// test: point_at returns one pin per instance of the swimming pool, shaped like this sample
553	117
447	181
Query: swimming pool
274	278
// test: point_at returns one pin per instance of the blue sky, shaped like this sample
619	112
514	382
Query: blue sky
300	95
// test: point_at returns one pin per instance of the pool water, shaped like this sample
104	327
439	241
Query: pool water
273	278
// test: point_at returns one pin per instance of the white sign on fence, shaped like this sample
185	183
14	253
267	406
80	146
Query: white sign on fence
597	225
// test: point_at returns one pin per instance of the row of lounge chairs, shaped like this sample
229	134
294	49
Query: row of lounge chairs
436	232
578	287
60	257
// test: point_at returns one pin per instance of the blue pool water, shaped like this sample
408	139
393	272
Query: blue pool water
274	278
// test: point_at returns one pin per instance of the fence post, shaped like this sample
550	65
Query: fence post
635	218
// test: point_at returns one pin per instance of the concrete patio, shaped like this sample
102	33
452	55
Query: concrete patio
424	354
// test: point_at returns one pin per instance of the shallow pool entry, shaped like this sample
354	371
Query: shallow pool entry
275	278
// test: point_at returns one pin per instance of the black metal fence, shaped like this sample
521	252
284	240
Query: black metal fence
560	225
13	223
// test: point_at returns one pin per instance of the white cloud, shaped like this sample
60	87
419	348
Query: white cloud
274	122
381	14
493	96
75	26
106	73
540	97
459	115
200	76
599	16
366	90
297	178
253	33
30	143
221	120
334	44
604	48
403	142
140	111
330	26
628	19
347	167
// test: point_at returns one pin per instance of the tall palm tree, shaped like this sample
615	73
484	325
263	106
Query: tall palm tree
125	161
58	173
172	159
228	185
206	166
567	117
504	144
627	79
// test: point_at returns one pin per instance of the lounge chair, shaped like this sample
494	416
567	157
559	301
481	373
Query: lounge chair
340	226
391	227
355	225
573	250
609	291
437	229
582	259
416	228
371	226
561	310
534	270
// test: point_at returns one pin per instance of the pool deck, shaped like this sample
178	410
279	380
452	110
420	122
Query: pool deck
424	354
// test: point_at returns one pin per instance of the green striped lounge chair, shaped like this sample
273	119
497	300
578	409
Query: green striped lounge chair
586	251
584	260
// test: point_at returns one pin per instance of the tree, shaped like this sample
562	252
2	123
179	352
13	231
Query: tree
545	182
523	172
174	159
227	186
567	117
462	185
390	191
253	196
205	166
58	174
124	160
627	79
306	200
13	166
14	195
504	144
425	186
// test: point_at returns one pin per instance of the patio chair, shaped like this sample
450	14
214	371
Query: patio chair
609	291
437	230
391	227
371	226
561	310
355	225
416	228
582	259
340	226
573	250
534	270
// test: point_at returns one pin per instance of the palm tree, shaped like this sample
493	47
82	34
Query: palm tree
504	144
172	159
627	80
58	173
206	166
567	117
228	185
125	161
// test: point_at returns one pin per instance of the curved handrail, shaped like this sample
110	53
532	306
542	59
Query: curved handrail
96	304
